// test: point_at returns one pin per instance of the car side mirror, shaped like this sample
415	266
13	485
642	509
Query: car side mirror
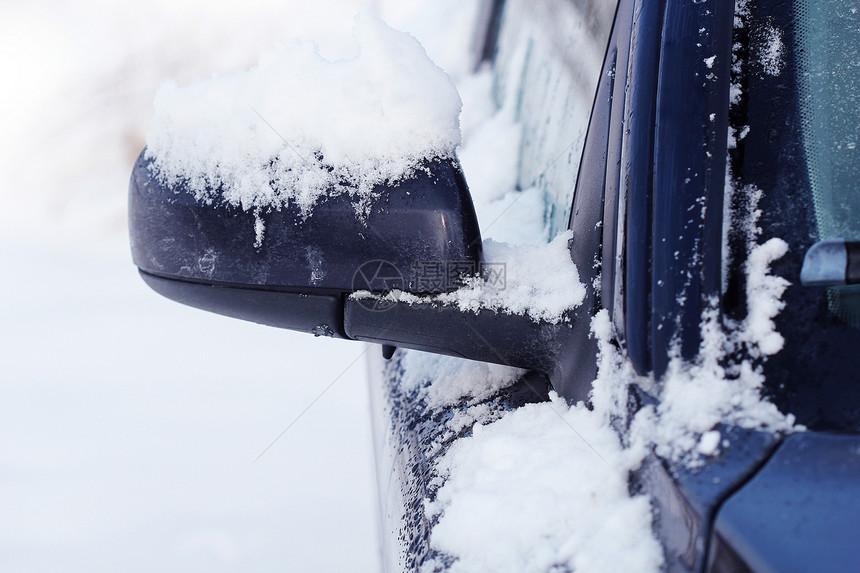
289	269
321	232
303	272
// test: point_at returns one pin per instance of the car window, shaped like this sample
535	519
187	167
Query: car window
548	61
828	73
798	117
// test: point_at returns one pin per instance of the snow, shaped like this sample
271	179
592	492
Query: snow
697	396
723	384
571	508
445	28
553	478
709	443
763	298
540	282
129	426
299	127
771	52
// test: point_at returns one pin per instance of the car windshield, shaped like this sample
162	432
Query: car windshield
798	121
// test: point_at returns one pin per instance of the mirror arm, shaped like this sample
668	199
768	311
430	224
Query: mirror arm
486	336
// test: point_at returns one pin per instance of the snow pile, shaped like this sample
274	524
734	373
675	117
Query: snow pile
540	488
544	487
446	29
764	292
298	127
540	281
695	398
723	385
454	379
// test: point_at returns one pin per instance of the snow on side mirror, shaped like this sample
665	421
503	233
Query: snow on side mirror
326	197
271	194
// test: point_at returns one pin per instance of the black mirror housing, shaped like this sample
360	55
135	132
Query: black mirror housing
298	273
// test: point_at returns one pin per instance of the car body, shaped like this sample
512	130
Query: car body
655	151
685	129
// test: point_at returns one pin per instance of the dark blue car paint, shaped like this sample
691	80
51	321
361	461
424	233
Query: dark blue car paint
799	513
685	500
173	237
689	172
207	257
486	335
636	178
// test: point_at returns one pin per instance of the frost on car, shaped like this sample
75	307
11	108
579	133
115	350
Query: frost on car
663	379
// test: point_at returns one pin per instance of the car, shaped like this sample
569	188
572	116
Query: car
702	155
